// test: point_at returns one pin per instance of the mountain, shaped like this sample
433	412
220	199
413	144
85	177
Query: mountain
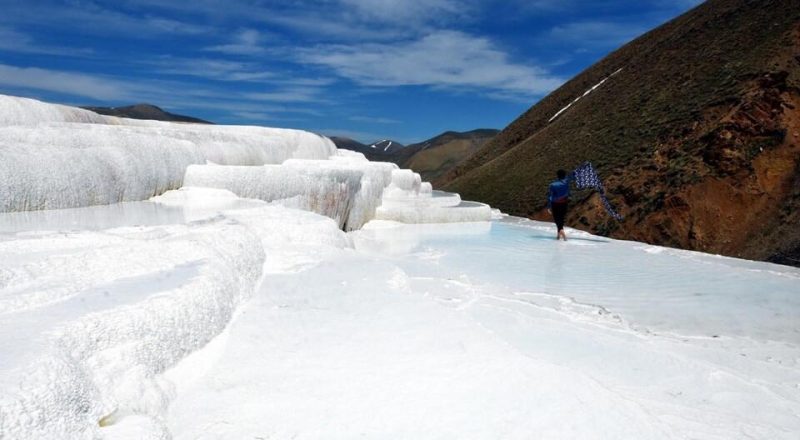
145	111
437	155
382	151
430	158
386	147
348	144
693	126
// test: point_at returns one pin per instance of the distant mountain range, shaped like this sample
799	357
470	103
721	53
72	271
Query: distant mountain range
694	126
145	111
430	158
381	150
386	146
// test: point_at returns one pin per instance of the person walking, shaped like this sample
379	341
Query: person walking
558	200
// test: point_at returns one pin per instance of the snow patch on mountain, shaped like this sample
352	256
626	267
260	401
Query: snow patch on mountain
590	90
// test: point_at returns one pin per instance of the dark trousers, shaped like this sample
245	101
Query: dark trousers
559	212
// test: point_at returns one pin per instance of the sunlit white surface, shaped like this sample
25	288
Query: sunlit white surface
53	156
654	288
58	157
496	330
465	330
91	319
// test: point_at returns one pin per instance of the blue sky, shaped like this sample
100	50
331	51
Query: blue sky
367	69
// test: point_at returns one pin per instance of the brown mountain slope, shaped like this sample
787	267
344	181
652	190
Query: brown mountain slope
697	136
440	154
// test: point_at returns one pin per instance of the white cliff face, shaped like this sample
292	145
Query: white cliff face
348	189
54	156
327	192
408	200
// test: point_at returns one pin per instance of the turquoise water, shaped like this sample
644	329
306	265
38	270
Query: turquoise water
652	289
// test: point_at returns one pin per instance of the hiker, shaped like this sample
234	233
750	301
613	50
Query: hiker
558	200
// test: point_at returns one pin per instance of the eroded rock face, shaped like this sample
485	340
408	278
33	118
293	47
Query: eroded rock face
727	184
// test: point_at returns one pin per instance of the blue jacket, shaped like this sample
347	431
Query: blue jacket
559	190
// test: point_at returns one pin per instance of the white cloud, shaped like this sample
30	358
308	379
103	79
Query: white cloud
337	26
108	89
229	70
342	20
373	120
305	82
289	95
87	17
410	12
75	84
170	26
266	118
241	106
211	68
440	59
245	42
28	81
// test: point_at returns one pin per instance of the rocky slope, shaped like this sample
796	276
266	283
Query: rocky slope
695	130
145	111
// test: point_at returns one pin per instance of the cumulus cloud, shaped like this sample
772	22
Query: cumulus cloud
440	59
